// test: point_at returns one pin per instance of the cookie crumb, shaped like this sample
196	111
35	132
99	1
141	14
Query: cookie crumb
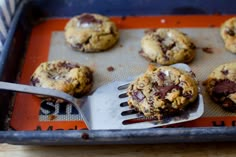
121	45
52	117
110	68
207	50
85	136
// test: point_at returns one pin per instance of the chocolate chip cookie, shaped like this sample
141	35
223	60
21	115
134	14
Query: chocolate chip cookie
162	91
91	33
65	76
221	86
228	34
167	46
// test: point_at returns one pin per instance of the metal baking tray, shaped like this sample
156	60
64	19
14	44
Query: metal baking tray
36	35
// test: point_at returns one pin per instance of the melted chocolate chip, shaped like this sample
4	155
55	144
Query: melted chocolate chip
230	32
34	81
225	72
223	88
86	18
88	40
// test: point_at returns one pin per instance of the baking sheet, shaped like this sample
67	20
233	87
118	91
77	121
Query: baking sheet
47	43
127	62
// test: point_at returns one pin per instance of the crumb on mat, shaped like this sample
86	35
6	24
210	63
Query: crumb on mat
110	68
52	117
207	50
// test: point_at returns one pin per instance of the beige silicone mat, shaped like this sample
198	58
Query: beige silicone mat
127	62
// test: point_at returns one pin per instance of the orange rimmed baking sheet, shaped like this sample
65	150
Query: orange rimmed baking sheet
26	110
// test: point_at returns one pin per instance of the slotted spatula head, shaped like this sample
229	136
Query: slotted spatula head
107	108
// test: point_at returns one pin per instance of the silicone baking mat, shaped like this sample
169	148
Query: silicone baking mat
47	43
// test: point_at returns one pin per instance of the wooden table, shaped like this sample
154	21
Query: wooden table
169	150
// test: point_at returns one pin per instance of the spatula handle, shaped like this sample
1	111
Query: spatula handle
37	91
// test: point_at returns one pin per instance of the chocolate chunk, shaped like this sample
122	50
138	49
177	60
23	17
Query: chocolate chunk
88	40
192	46
86	18
166	58
225	72
165	48
171	46
223	88
230	32
163	90
138	95
207	50
159	39
228	105
112	31
187	95
77	46
68	65
34	81
162	75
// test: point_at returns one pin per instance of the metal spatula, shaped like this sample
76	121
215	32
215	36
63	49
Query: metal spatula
106	107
